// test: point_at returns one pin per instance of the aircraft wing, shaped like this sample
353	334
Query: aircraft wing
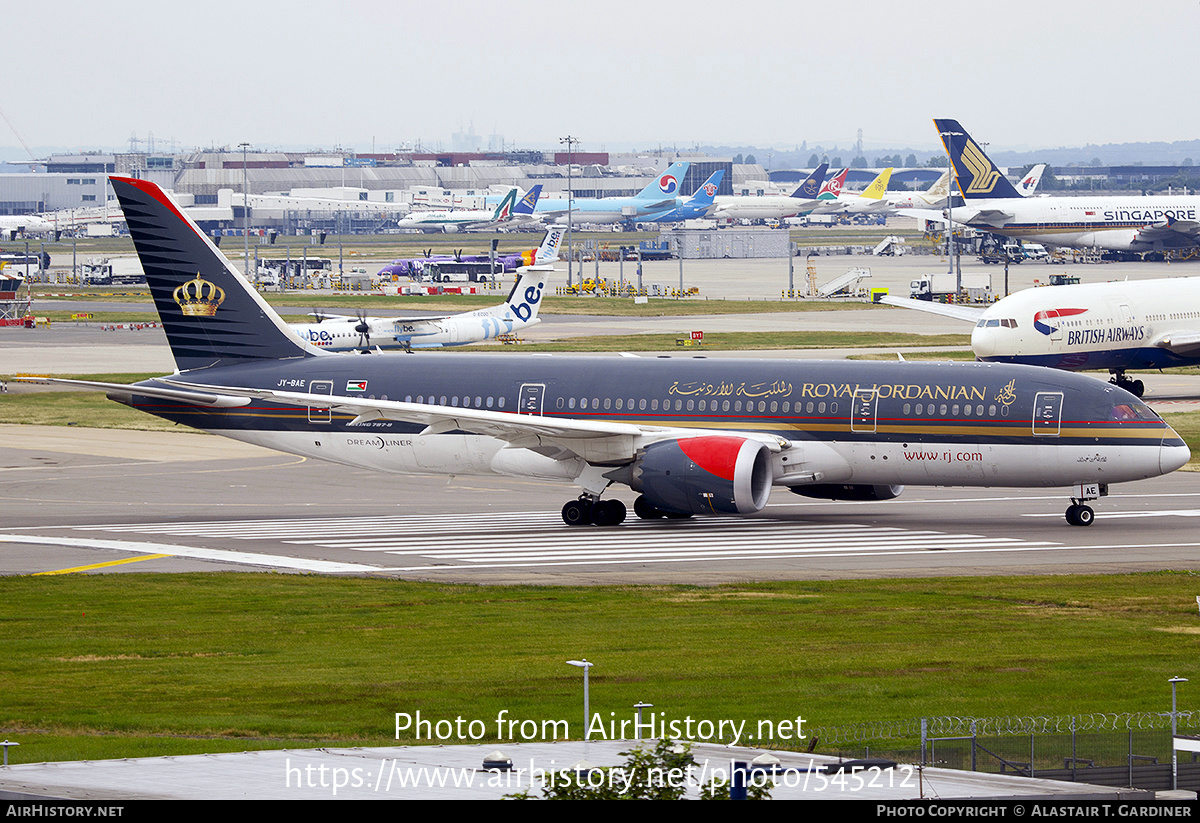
969	313
1171	229
592	440
1185	344
214	399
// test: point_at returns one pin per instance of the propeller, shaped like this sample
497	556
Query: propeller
429	252
458	255
364	331
318	315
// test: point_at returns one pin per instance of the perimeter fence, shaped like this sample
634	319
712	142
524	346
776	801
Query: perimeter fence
1130	750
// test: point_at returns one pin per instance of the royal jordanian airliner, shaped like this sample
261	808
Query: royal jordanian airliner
1133	224
690	435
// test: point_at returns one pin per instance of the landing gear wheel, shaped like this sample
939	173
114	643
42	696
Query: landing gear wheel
643	509
577	513
1137	388
1080	515
608	513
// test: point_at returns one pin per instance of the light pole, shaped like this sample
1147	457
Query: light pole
1174	755
245	211
585	665
571	143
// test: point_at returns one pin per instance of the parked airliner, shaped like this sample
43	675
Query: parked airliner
509	213
519	311
772	207
1134	224
690	435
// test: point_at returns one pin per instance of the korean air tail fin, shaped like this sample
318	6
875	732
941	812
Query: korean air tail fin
210	314
811	187
528	203
978	177
666	184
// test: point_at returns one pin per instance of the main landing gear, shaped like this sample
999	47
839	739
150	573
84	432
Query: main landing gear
1134	387
592	510
1079	513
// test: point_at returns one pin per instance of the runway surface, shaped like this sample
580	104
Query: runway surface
118	502
102	501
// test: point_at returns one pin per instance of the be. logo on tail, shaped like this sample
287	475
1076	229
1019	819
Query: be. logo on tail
524	310
668	184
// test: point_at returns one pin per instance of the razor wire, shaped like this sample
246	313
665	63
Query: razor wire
952	726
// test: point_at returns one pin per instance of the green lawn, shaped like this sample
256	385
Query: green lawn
128	664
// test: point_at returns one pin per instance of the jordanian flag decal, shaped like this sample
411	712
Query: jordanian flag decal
356	385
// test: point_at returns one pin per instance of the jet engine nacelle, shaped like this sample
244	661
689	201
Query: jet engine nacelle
848	491
715	474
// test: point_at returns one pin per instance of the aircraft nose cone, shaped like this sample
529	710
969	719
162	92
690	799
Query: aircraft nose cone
1173	453
983	342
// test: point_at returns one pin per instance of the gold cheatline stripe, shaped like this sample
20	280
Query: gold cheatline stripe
1011	429
104	565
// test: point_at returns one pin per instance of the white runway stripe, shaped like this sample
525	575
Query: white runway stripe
475	540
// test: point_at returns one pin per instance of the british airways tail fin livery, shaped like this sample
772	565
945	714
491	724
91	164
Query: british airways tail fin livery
688	435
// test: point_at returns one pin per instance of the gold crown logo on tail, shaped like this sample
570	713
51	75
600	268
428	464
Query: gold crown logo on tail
199	297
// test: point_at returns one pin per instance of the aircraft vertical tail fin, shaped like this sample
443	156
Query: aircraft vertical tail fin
811	187
833	186
528	203
1029	182
666	184
548	251
210	314
706	194
878	186
978	177
505	208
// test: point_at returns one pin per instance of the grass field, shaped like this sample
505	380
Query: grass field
126	665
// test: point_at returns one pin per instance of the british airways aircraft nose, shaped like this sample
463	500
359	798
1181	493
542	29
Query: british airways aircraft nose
983	341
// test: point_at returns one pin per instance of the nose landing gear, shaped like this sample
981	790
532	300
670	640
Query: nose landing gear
1079	513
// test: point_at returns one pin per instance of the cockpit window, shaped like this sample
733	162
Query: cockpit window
1131	411
995	322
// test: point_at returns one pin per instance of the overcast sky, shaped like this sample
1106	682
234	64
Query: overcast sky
364	74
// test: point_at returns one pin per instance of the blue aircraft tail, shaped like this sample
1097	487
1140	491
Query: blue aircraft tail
529	202
666	184
708	190
978	177
211	315
811	187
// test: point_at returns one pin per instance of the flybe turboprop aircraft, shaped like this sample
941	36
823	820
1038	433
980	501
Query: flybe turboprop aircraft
690	435
1133	224
519	311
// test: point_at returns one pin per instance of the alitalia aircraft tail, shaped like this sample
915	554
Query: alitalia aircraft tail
978	177
211	315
